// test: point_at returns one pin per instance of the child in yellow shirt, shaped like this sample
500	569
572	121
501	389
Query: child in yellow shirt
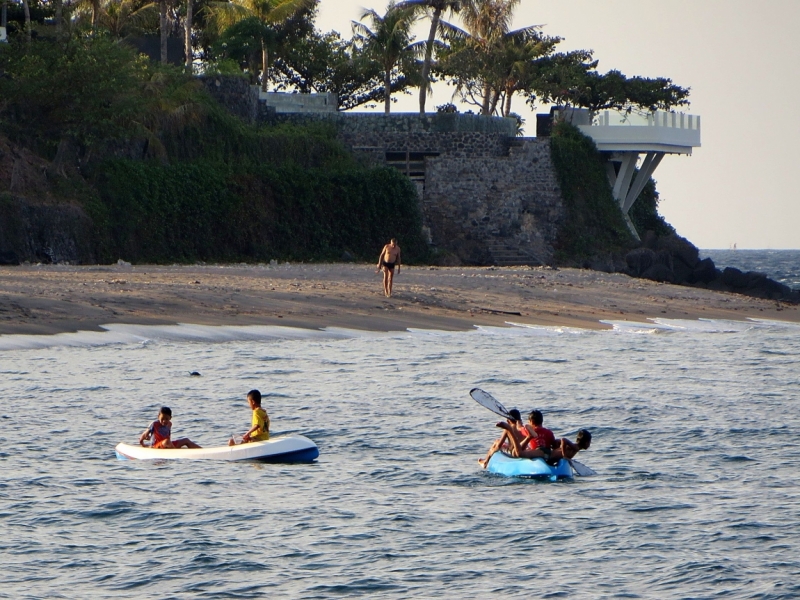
259	431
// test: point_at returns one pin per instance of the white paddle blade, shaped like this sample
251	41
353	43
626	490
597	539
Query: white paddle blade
581	469
486	400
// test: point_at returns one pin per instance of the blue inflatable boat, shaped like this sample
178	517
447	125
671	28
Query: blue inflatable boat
503	464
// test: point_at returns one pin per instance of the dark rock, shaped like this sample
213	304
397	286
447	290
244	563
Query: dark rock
663	257
650	240
704	272
659	272
9	259
679	248
46	233
601	263
639	260
734	278
761	286
718	285
684	274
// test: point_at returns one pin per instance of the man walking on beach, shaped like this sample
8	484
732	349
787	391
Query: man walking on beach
389	259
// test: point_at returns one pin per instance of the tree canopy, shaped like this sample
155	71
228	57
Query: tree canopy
277	43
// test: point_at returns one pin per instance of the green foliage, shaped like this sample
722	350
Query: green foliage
241	43
327	63
220	137
594	223
644	213
203	210
572	79
82	89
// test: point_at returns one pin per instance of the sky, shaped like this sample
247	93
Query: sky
741	60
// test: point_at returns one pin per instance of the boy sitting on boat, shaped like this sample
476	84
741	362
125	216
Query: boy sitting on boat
161	430
514	429
539	437
259	432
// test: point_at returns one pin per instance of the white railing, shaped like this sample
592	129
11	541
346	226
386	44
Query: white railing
611	118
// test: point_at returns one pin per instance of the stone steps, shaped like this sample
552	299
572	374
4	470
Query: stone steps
504	255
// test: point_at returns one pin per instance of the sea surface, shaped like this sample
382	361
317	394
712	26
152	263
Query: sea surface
780	265
696	427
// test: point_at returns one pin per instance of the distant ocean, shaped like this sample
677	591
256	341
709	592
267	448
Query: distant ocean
780	265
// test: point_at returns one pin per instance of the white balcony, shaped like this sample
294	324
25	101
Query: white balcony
667	132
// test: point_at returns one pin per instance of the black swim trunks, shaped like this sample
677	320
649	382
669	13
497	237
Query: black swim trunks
388	265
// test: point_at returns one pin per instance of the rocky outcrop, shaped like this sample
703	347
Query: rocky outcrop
674	259
46	233
35	225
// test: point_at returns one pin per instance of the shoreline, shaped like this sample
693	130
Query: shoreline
50	299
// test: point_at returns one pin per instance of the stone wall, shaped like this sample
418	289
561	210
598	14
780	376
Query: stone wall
234	93
495	210
487	197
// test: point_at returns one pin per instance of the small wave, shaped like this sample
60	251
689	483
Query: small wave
738	459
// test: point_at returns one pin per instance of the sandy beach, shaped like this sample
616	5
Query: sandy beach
47	299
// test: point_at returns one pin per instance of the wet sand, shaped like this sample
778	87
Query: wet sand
47	299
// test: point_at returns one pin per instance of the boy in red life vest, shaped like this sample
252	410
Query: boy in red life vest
161	429
514	429
259	431
564	448
539	437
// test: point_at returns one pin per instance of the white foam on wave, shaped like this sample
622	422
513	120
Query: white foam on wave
185	332
636	327
662	325
546	330
182	332
775	323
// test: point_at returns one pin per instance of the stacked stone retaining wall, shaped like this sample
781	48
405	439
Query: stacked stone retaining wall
495	210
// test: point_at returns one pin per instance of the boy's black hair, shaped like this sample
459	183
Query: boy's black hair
536	417
165	410
256	396
584	437
515	416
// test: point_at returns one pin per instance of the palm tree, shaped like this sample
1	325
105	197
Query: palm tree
268	12
125	17
388	42
27	9
438	7
487	35
188	36
163	29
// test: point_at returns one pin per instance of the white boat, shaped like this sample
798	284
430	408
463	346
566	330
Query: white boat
283	449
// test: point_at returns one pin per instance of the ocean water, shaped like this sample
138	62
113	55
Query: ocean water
695	430
780	265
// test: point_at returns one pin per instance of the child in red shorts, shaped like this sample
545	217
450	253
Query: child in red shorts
161	429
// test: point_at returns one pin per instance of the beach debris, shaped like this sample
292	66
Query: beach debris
500	312
194	374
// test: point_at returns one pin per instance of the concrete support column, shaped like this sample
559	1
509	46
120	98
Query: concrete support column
625	188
